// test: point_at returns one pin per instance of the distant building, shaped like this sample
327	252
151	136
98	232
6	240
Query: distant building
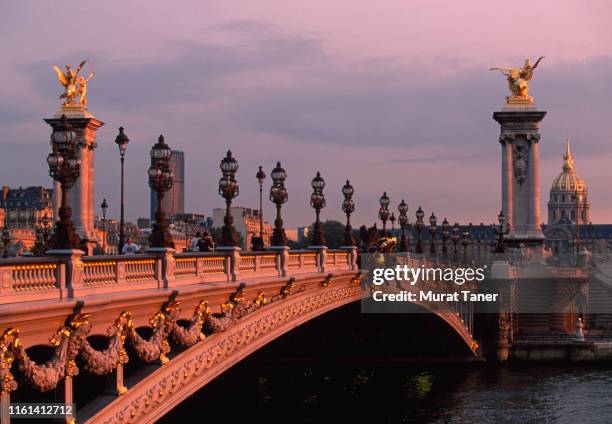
26	207
569	199
174	199
143	223
246	222
569	227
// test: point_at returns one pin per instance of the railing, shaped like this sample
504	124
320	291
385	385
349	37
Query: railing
25	278
70	275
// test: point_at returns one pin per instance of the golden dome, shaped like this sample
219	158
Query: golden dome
568	180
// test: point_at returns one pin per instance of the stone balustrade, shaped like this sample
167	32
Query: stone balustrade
70	275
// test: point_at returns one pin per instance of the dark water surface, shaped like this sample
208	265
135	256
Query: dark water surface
459	393
348	367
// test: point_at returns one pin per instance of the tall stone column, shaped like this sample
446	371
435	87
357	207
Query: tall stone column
519	139
82	199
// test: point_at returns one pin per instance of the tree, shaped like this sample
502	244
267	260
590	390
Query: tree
216	232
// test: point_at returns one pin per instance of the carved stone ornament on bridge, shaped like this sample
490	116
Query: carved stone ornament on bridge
520	160
70	340
179	375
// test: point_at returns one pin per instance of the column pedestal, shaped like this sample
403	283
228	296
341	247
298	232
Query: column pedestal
519	139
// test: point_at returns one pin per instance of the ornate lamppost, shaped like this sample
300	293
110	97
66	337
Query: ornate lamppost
403	220
383	212
46	228
445	236
278	196
64	167
455	237
419	226
104	207
348	207
503	230
6	240
160	181
258	241
392	219
39	243
433	229
317	201
122	141
228	189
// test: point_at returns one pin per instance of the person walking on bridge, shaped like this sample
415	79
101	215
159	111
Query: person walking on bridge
130	248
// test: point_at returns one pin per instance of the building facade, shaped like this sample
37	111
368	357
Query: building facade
568	202
174	199
569	228
246	222
25	207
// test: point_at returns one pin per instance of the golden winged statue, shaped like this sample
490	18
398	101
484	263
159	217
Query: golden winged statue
74	84
518	79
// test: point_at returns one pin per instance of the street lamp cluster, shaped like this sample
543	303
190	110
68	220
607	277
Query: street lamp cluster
228	189
348	207
446	233
383	212
160	181
278	196
317	201
64	167
257	242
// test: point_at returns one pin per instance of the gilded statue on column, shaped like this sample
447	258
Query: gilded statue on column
518	79
75	85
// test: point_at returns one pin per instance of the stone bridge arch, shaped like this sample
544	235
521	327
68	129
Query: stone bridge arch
156	394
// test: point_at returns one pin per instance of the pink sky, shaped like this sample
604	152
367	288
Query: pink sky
394	95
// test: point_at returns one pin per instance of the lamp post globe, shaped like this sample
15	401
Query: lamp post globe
278	196
317	201
348	207
455	237
403	221
419	226
433	229
122	141
445	236
228	189
161	180
501	232
383	212
104	207
258	241
64	167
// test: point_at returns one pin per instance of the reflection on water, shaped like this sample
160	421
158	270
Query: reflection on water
459	393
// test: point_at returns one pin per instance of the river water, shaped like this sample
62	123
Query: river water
349	367
356	393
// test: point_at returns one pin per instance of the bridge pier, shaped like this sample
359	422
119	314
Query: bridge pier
165	265
282	259
321	256
72	285
233	263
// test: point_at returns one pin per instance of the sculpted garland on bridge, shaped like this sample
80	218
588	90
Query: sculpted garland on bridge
70	340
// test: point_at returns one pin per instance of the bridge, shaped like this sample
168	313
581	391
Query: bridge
190	316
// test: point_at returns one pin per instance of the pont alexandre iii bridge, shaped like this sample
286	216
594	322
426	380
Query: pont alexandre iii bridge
90	312
67	320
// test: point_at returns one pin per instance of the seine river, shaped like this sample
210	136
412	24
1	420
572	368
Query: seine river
348	367
458	393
